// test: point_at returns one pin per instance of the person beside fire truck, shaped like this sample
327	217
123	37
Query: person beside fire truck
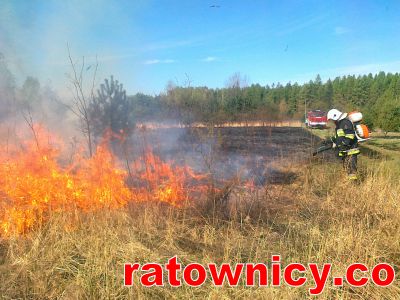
345	141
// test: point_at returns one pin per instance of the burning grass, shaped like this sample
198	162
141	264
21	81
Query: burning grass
320	224
319	217
35	184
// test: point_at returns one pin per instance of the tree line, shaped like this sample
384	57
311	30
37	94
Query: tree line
109	107
376	96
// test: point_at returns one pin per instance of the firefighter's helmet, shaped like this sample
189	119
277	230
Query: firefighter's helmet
335	115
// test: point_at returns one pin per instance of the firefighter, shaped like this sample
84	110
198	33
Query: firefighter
345	141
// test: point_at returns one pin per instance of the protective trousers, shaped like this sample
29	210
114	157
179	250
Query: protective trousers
350	165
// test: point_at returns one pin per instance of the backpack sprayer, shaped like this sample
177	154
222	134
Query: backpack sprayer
361	132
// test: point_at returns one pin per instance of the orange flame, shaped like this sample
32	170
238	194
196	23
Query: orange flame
163	182
34	184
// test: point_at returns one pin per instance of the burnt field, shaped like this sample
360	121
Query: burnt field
258	154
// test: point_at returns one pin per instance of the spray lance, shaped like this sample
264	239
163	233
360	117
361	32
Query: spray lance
326	145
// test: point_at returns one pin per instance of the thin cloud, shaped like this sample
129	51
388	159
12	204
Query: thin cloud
341	30
364	69
182	43
162	45
158	61
392	66
152	62
209	59
300	24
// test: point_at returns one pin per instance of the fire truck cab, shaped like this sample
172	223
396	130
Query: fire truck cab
316	119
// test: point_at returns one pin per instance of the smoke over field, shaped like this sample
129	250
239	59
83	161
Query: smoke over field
138	133
251	153
42	175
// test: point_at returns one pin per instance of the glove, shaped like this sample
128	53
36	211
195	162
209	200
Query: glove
333	145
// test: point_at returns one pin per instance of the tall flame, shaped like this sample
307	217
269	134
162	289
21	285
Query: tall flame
34	184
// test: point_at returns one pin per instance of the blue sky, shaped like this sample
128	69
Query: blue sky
145	44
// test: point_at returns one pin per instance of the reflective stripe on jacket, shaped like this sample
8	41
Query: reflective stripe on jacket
345	138
353	151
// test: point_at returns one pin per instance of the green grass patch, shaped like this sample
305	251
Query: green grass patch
380	149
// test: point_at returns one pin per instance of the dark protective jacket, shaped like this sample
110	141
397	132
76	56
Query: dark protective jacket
345	138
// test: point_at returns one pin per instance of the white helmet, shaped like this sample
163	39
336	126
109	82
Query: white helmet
335	115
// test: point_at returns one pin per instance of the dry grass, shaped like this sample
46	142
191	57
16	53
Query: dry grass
317	218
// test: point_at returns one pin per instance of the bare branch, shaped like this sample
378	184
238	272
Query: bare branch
29	121
81	103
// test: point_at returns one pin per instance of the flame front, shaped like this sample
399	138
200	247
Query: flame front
33	184
160	181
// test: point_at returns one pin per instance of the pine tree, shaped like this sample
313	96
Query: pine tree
111	109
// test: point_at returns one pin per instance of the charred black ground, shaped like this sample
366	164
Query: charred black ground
248	153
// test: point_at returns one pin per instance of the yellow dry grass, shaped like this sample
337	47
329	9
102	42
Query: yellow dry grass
318	218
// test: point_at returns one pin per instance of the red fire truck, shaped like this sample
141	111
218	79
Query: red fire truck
316	119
